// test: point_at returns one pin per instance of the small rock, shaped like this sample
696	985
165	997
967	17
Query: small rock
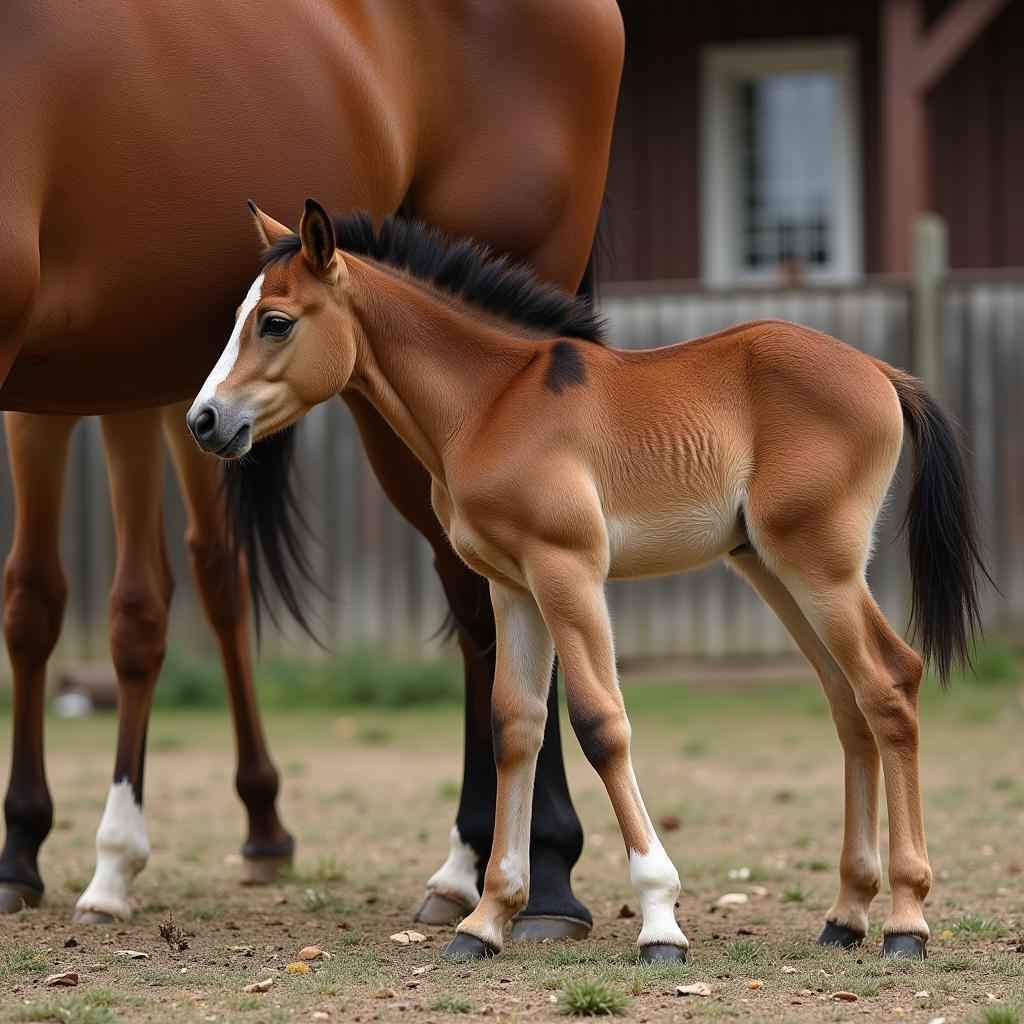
298	967
132	954
789	969
320	1015
70	943
732	899
260	986
923	994
408	936
99	967
739	874
313	953
844	997
759	890
423	970
67	978
385	993
700	988
755	983
937	1020
626	912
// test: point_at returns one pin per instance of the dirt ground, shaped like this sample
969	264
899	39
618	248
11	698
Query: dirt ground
746	784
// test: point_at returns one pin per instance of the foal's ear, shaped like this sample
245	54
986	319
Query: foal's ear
317	234
269	230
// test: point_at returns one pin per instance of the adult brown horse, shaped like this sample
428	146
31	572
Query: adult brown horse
130	133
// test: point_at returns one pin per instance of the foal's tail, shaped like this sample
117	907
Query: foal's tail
941	525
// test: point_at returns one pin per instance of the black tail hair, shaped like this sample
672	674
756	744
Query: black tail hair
266	525
941	525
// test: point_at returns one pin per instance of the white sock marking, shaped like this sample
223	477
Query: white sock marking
122	848
229	356
656	883
456	877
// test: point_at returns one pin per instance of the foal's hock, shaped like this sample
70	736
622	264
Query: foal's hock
558	463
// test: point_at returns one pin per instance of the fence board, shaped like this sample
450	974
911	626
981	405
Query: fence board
378	573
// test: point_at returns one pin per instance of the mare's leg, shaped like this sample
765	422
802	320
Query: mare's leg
518	712
860	868
268	845
34	595
557	837
139	603
570	593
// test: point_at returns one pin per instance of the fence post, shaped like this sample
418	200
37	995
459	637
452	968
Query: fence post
931	263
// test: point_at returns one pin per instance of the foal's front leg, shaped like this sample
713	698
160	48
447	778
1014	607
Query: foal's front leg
518	716
570	593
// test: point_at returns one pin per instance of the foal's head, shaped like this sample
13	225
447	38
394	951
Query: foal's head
293	345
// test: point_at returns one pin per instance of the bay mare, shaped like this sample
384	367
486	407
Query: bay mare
120	120
558	463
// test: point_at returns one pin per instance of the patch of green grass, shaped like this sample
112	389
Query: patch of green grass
571	955
86	1008
745	951
317	899
973	926
323	869
17	958
998	1013
593	998
794	894
449	1003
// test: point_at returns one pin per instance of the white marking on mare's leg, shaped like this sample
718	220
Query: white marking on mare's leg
122	848
229	356
456	877
656	883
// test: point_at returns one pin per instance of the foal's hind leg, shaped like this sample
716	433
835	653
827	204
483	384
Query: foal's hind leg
139	603
860	869
34	595
268	846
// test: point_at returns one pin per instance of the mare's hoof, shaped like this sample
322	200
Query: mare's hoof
661	953
15	897
438	909
839	935
904	947
537	929
262	865
93	917
468	947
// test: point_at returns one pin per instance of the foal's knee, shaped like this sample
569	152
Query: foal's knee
138	629
604	735
889	702
35	599
518	733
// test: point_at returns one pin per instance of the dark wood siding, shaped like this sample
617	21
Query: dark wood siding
977	137
976	150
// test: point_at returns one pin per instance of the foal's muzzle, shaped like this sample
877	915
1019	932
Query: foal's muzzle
220	430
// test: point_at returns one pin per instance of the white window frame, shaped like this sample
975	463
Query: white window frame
724	66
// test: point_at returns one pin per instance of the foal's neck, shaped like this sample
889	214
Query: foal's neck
429	366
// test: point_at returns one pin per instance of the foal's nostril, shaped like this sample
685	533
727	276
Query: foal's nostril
205	422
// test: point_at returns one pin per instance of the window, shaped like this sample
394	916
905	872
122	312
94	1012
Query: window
780	173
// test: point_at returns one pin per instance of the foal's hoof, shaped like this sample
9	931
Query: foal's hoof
438	909
92	917
661	953
537	929
262	864
834	934
904	947
15	897
468	947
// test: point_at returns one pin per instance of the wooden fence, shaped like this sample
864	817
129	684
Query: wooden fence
379	573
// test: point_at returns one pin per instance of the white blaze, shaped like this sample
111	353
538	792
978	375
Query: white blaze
229	356
122	848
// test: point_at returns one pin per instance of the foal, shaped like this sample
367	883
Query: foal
558	463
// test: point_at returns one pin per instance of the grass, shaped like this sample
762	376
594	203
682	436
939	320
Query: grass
448	1003
92	1007
973	926
998	1013
593	998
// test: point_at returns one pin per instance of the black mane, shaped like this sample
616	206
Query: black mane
466	269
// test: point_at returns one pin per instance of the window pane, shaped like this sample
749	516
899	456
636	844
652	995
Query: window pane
787	169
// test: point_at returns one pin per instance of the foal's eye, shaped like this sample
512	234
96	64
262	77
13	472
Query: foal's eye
275	326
